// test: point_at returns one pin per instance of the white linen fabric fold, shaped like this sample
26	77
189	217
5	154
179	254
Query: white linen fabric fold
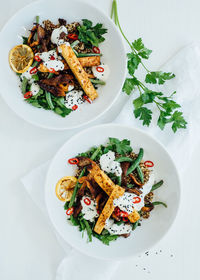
186	65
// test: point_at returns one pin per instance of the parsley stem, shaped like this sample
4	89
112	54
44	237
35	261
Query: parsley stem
139	90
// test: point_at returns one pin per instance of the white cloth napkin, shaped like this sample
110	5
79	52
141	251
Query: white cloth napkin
186	65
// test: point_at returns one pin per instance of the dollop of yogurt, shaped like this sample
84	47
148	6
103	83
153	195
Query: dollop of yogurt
46	56
101	72
28	75
129	201
108	164
117	229
34	88
55	35
89	208
74	97
55	64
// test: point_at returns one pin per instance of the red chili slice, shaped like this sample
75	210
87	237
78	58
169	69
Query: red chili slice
72	36
33	70
96	50
52	70
123	214
37	58
87	201
52	57
70	211
73	161
100	69
149	163
136	199
117	211
87	99
28	94
125	219
74	107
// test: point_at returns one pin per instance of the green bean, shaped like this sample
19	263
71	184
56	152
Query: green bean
119	180
50	76
24	85
123	159
76	189
35	77
157	185
95	154
97	82
35	63
88	229
37	19
135	225
88	54
136	162
49	100
159	202
74	44
140	173
76	53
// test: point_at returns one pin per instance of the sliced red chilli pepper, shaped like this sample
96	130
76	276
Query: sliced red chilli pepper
96	50
149	163
70	211
123	214
73	161
87	98
87	201
52	57
74	107
33	70
136	199
37	58
125	219
52	70
28	94
72	36
100	69
117	211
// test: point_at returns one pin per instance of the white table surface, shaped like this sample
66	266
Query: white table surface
28	248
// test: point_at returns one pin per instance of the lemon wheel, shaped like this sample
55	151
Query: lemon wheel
21	58
65	188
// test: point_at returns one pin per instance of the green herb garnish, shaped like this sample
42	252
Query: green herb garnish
121	147
91	35
159	203
165	104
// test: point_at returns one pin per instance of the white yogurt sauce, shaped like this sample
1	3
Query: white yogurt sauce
55	35
34	88
28	75
117	229
108	164
55	64
103	76
70	87
89	211
72	98
46	56
129	201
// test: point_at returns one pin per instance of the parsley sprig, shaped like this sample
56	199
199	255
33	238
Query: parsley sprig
91	35
166	106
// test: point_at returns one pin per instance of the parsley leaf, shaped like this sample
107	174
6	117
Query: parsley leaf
105	238
121	147
142	50
178	121
133	62
129	85
158	77
91	35
144	114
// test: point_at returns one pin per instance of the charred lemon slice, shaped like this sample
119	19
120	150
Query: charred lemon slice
65	188
21	58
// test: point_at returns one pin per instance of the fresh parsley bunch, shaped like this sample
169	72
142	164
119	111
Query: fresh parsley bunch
91	35
167	107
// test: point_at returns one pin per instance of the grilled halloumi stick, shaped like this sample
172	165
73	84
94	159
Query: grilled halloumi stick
108	209
78	71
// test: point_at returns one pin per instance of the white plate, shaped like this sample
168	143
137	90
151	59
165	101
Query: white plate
113	55
153	229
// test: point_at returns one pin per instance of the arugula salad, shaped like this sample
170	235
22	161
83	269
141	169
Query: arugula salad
111	192
59	64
